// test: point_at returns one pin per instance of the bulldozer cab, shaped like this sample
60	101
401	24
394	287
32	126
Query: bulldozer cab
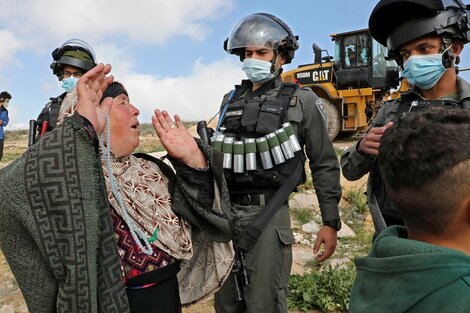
352	84
360	62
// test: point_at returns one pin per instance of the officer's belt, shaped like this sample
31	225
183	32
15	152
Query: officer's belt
253	230
259	199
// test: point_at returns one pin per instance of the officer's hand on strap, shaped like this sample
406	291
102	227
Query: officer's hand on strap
90	88
370	143
177	141
326	236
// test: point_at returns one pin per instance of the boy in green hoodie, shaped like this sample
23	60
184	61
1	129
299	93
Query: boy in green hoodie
424	266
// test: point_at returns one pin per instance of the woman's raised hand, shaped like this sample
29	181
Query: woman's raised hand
177	141
90	88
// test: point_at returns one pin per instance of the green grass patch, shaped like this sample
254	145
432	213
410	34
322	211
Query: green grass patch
308	185
325	288
339	151
357	199
12	156
302	216
14	135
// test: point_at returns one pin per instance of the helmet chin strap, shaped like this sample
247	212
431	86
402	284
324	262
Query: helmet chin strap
273	62
448	57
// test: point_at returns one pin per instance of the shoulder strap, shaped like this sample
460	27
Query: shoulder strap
255	228
235	93
377	217
285	94
165	168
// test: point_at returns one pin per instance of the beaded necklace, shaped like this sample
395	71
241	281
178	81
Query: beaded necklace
136	232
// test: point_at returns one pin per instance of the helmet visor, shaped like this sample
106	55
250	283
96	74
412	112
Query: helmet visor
256	31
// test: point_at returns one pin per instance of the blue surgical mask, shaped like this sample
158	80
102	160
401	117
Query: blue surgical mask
69	83
424	71
258	71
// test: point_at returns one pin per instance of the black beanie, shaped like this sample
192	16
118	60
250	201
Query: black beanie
114	90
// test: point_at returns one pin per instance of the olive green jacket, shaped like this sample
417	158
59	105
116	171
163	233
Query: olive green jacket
355	165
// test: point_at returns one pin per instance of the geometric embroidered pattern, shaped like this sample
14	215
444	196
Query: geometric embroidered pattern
134	261
67	199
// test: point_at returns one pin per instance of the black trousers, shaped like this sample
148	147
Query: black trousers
1	149
163	297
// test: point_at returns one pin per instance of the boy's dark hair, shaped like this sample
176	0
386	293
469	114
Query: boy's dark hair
425	161
5	95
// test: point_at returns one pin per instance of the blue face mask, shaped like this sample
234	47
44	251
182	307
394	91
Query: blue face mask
424	71
69	83
258	71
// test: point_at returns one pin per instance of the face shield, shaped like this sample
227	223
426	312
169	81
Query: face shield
257	31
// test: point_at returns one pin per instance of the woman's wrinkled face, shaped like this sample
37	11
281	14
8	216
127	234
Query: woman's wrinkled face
124	126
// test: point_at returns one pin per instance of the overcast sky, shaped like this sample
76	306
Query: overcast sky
168	53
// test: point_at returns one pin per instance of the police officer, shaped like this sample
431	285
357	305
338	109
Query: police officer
257	109
425	38
70	61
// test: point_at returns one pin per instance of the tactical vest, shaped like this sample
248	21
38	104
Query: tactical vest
405	106
254	118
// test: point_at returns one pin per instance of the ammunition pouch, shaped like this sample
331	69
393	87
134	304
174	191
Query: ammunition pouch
270	117
233	116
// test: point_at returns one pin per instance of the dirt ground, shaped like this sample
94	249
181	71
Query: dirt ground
11	299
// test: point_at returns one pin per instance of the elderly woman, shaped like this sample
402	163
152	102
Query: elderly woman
88	234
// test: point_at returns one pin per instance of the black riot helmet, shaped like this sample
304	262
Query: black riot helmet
394	23
74	52
262	30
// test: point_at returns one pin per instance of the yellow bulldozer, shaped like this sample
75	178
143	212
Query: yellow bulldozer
353	83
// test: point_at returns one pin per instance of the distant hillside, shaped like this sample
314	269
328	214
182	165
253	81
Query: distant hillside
16	141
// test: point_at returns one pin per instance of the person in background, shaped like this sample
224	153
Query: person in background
424	266
70	61
5	98
425	38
